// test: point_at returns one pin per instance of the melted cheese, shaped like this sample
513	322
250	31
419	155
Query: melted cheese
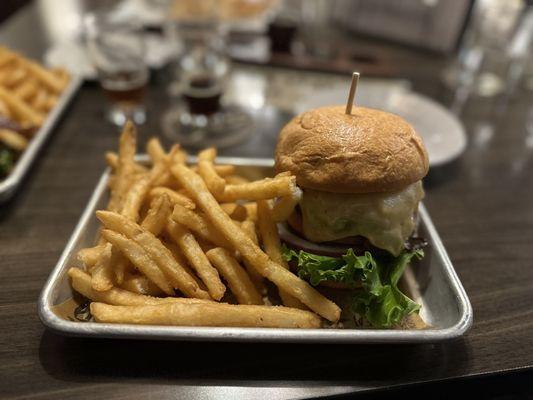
385	219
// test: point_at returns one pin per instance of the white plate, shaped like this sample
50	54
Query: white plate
443	134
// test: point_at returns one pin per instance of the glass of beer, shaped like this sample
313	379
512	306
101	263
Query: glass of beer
117	49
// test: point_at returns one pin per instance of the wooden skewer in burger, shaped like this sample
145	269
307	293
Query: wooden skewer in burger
360	172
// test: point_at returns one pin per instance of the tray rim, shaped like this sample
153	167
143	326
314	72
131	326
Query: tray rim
10	184
237	334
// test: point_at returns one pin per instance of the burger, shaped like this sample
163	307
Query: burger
354	227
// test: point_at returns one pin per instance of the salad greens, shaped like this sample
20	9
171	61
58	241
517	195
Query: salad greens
379	299
7	160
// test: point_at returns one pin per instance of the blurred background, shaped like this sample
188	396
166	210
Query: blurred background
230	73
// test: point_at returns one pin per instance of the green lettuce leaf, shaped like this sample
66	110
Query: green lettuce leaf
379	299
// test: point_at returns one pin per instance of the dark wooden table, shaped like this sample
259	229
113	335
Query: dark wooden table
482	206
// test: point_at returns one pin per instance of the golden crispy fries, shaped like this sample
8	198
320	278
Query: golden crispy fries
140	258
4	110
207	171
284	206
102	273
20	109
13	139
112	160
249	228
272	246
180	258
140	284
15	77
26	90
135	197
139	190
157	216
198	225
267	188
90	255
238	280
120	265
155	251
206	314
51	102
197	259
283	278
157	154
236	180
81	282
39	101
125	169
174	197
156	151
221	170
50	80
235	211
251	211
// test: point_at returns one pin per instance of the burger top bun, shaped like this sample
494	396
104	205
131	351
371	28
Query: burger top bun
367	151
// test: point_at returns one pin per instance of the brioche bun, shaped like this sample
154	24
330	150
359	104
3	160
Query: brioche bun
367	151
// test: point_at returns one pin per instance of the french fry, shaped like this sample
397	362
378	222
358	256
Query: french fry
112	161
180	258
140	258
284	206
161	258
51	102
135	197
157	216
39	101
90	255
157	154
140	284
13	139
206	314
272	246
125	169
174	197
6	57
15	77
267	188
235	211
236	180
138	192
207	171
51	81
238	280
198	225
20	109
283	278
120	266
81	282
26	90
156	151
221	170
4	110
249	228
251	211
197	259
102	273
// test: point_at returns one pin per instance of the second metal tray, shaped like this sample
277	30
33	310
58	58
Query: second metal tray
433	283
9	185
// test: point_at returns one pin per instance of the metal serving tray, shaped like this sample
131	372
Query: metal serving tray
9	185
432	282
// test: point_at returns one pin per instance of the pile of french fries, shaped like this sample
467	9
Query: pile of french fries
28	92
193	245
